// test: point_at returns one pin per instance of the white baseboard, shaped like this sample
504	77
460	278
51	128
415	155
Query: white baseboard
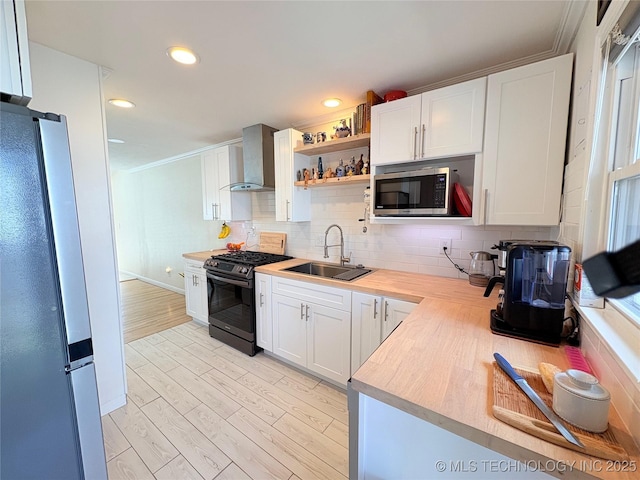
155	282
114	404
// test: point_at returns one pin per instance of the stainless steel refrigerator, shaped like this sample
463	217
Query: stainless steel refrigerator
49	413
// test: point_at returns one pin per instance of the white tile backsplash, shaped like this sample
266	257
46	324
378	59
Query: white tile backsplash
405	247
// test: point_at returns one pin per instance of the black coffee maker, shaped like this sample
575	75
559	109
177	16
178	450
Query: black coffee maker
535	285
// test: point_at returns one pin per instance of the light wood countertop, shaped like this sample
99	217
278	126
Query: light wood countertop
202	256
437	365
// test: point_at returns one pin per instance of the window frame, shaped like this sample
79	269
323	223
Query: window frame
632	165
614	331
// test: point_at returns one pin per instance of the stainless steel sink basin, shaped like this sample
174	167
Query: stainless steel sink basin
325	270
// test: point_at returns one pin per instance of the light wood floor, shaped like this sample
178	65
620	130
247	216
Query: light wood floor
147	309
198	409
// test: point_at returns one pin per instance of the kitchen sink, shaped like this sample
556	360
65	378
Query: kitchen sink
326	270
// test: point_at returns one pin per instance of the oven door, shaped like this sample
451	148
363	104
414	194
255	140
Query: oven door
231	305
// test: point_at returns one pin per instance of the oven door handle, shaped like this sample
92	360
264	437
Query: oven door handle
239	283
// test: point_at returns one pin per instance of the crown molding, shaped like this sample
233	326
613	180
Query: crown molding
182	156
571	20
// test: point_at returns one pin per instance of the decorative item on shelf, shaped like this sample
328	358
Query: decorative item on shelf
342	130
394	95
299	175
367	167
360	165
321	137
306	178
314	175
372	99
327	174
320	169
351	168
307	138
340	169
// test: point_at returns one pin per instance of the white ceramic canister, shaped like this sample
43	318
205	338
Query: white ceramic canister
579	399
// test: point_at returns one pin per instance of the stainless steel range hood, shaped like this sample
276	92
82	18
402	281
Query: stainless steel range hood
257	159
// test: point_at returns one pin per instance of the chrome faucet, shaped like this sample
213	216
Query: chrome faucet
343	259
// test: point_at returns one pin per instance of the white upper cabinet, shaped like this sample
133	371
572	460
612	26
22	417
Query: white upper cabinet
444	122
15	71
220	168
526	129
394	130
293	204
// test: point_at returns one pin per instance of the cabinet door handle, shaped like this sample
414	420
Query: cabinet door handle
214	211
261	299
422	141
486	204
287	209
301	311
195	279
307	312
386	310
415	142
375	307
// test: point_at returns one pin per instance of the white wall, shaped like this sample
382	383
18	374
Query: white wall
70	86
158	215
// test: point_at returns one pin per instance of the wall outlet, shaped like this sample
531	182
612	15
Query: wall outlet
445	243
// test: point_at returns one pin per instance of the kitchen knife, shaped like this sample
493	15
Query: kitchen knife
535	398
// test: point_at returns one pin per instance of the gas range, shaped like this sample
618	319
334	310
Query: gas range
231	297
241	264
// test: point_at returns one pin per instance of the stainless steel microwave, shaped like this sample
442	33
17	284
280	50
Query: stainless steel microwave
423	192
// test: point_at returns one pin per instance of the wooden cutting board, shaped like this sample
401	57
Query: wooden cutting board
272	242
512	406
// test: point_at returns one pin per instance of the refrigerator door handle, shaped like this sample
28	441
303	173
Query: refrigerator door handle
66	233
85	398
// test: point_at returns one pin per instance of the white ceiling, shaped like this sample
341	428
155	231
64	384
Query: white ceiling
273	62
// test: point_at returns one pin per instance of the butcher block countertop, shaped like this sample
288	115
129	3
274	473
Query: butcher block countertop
202	256
437	365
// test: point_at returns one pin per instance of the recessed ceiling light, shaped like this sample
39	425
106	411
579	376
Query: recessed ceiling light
332	102
182	55
122	103
115	140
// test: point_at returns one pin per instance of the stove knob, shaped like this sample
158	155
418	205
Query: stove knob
244	269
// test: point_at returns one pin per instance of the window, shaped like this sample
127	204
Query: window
624	162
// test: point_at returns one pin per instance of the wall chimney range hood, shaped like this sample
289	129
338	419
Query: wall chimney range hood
257	159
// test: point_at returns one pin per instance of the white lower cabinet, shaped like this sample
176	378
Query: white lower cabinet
373	318
312	327
395	311
195	291
264	324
